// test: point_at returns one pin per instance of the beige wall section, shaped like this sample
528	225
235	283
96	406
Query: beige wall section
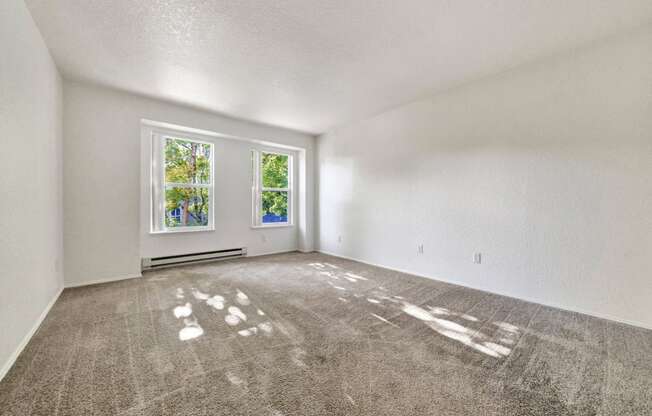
104	236
31	254
546	170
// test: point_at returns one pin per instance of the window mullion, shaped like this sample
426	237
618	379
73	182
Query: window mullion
187	185
275	189
259	186
161	174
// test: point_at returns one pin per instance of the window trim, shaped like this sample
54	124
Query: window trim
257	189
158	184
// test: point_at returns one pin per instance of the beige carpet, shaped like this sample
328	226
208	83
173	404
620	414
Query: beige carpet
308	334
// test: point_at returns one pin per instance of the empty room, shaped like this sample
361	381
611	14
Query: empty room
334	207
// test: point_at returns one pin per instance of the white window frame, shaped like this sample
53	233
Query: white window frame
159	184
257	189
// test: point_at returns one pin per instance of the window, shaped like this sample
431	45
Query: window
272	188
182	184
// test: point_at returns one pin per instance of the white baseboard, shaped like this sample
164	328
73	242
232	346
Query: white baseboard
105	280
527	299
12	358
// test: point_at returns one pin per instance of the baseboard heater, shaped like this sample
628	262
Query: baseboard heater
180	259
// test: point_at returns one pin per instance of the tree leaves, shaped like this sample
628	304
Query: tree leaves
275	170
187	162
192	204
275	175
275	202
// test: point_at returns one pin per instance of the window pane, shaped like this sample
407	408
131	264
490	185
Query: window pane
187	161
186	207
275	170
275	206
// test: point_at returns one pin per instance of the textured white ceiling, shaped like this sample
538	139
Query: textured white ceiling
313	64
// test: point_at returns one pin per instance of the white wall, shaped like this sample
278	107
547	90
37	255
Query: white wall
104	237
31	247
546	170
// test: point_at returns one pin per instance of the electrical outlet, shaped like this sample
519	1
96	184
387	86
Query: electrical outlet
420	249
477	258
339	238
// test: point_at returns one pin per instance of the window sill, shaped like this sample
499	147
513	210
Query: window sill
184	230
255	227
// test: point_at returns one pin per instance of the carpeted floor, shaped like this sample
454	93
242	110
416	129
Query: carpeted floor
309	334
